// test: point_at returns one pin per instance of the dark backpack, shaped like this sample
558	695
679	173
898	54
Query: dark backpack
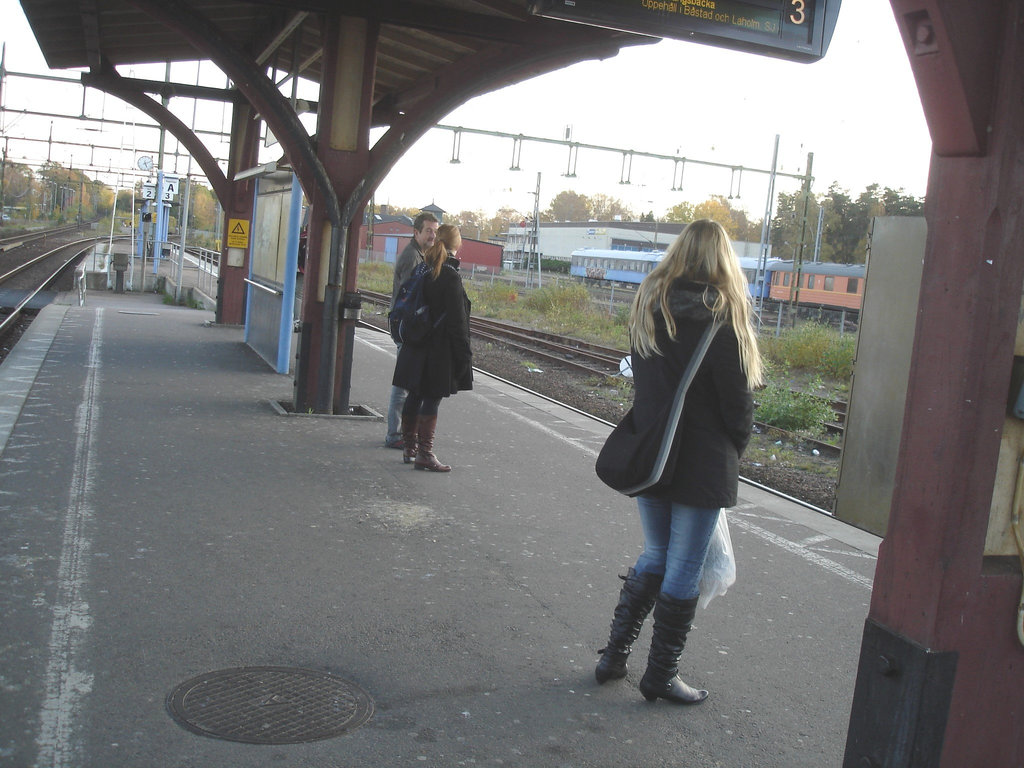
409	319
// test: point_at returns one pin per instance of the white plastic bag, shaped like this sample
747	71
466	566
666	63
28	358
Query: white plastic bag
719	565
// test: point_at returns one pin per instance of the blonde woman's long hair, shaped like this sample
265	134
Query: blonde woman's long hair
703	254
447	243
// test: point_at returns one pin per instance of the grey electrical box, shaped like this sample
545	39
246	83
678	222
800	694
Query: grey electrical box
885	341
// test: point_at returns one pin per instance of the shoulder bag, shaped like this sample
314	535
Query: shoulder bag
634	461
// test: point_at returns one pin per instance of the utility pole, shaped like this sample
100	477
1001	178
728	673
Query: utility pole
183	226
799	260
762	262
3	169
536	227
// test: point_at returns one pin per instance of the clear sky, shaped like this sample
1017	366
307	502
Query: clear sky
857	110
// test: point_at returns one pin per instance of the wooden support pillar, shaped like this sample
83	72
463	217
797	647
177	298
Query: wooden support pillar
343	126
234	261
941	678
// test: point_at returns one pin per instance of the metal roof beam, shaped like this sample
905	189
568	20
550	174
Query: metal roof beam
260	91
111	82
293	23
91	32
163	88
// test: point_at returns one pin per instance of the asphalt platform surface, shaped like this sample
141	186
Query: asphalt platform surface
161	520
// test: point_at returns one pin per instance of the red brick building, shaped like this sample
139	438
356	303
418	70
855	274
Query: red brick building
391	236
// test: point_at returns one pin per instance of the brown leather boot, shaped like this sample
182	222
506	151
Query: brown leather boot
425	458
408	438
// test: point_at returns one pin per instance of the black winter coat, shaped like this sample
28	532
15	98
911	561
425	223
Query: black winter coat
443	364
719	408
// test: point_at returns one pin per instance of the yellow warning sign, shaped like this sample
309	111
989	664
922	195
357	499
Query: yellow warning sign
238	233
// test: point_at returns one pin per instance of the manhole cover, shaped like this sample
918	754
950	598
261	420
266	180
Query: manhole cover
269	705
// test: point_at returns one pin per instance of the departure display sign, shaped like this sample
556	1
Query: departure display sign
799	30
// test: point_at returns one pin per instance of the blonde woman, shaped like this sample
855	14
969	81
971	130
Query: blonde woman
698	280
442	364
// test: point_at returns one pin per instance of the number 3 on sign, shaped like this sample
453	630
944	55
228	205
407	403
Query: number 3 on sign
799	14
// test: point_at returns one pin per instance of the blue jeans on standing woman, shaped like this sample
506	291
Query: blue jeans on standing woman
676	538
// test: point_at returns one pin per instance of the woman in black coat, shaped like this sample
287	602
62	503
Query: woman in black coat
698	280
442	364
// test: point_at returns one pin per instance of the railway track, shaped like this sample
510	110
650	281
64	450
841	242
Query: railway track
23	281
27	238
604	361
579	355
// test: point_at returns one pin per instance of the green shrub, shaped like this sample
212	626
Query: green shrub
376	276
559	298
554	266
812	346
781	407
497	300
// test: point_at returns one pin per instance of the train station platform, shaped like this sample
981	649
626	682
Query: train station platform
168	532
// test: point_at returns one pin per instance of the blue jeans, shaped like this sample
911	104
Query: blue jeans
395	406
676	539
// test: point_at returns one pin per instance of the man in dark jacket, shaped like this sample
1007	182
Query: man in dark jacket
424	231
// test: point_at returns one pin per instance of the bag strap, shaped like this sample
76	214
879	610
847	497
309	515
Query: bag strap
674	416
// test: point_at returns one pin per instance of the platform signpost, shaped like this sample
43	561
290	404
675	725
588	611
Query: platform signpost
798	30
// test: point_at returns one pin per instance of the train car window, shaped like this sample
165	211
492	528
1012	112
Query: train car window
829	283
852	284
810	281
785	279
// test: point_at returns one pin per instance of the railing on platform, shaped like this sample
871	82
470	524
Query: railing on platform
204	262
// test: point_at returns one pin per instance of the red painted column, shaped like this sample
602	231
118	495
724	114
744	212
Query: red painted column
234	262
343	146
937	598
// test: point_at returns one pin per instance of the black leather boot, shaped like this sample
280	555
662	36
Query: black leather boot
636	598
672	619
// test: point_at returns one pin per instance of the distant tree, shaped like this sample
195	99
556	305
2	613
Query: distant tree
845	221
605	208
717	208
500	222
680	214
788	227
471	223
203	209
897	203
747	229
17	185
569	206
124	202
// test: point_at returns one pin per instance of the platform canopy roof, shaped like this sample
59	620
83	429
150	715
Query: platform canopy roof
419	42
